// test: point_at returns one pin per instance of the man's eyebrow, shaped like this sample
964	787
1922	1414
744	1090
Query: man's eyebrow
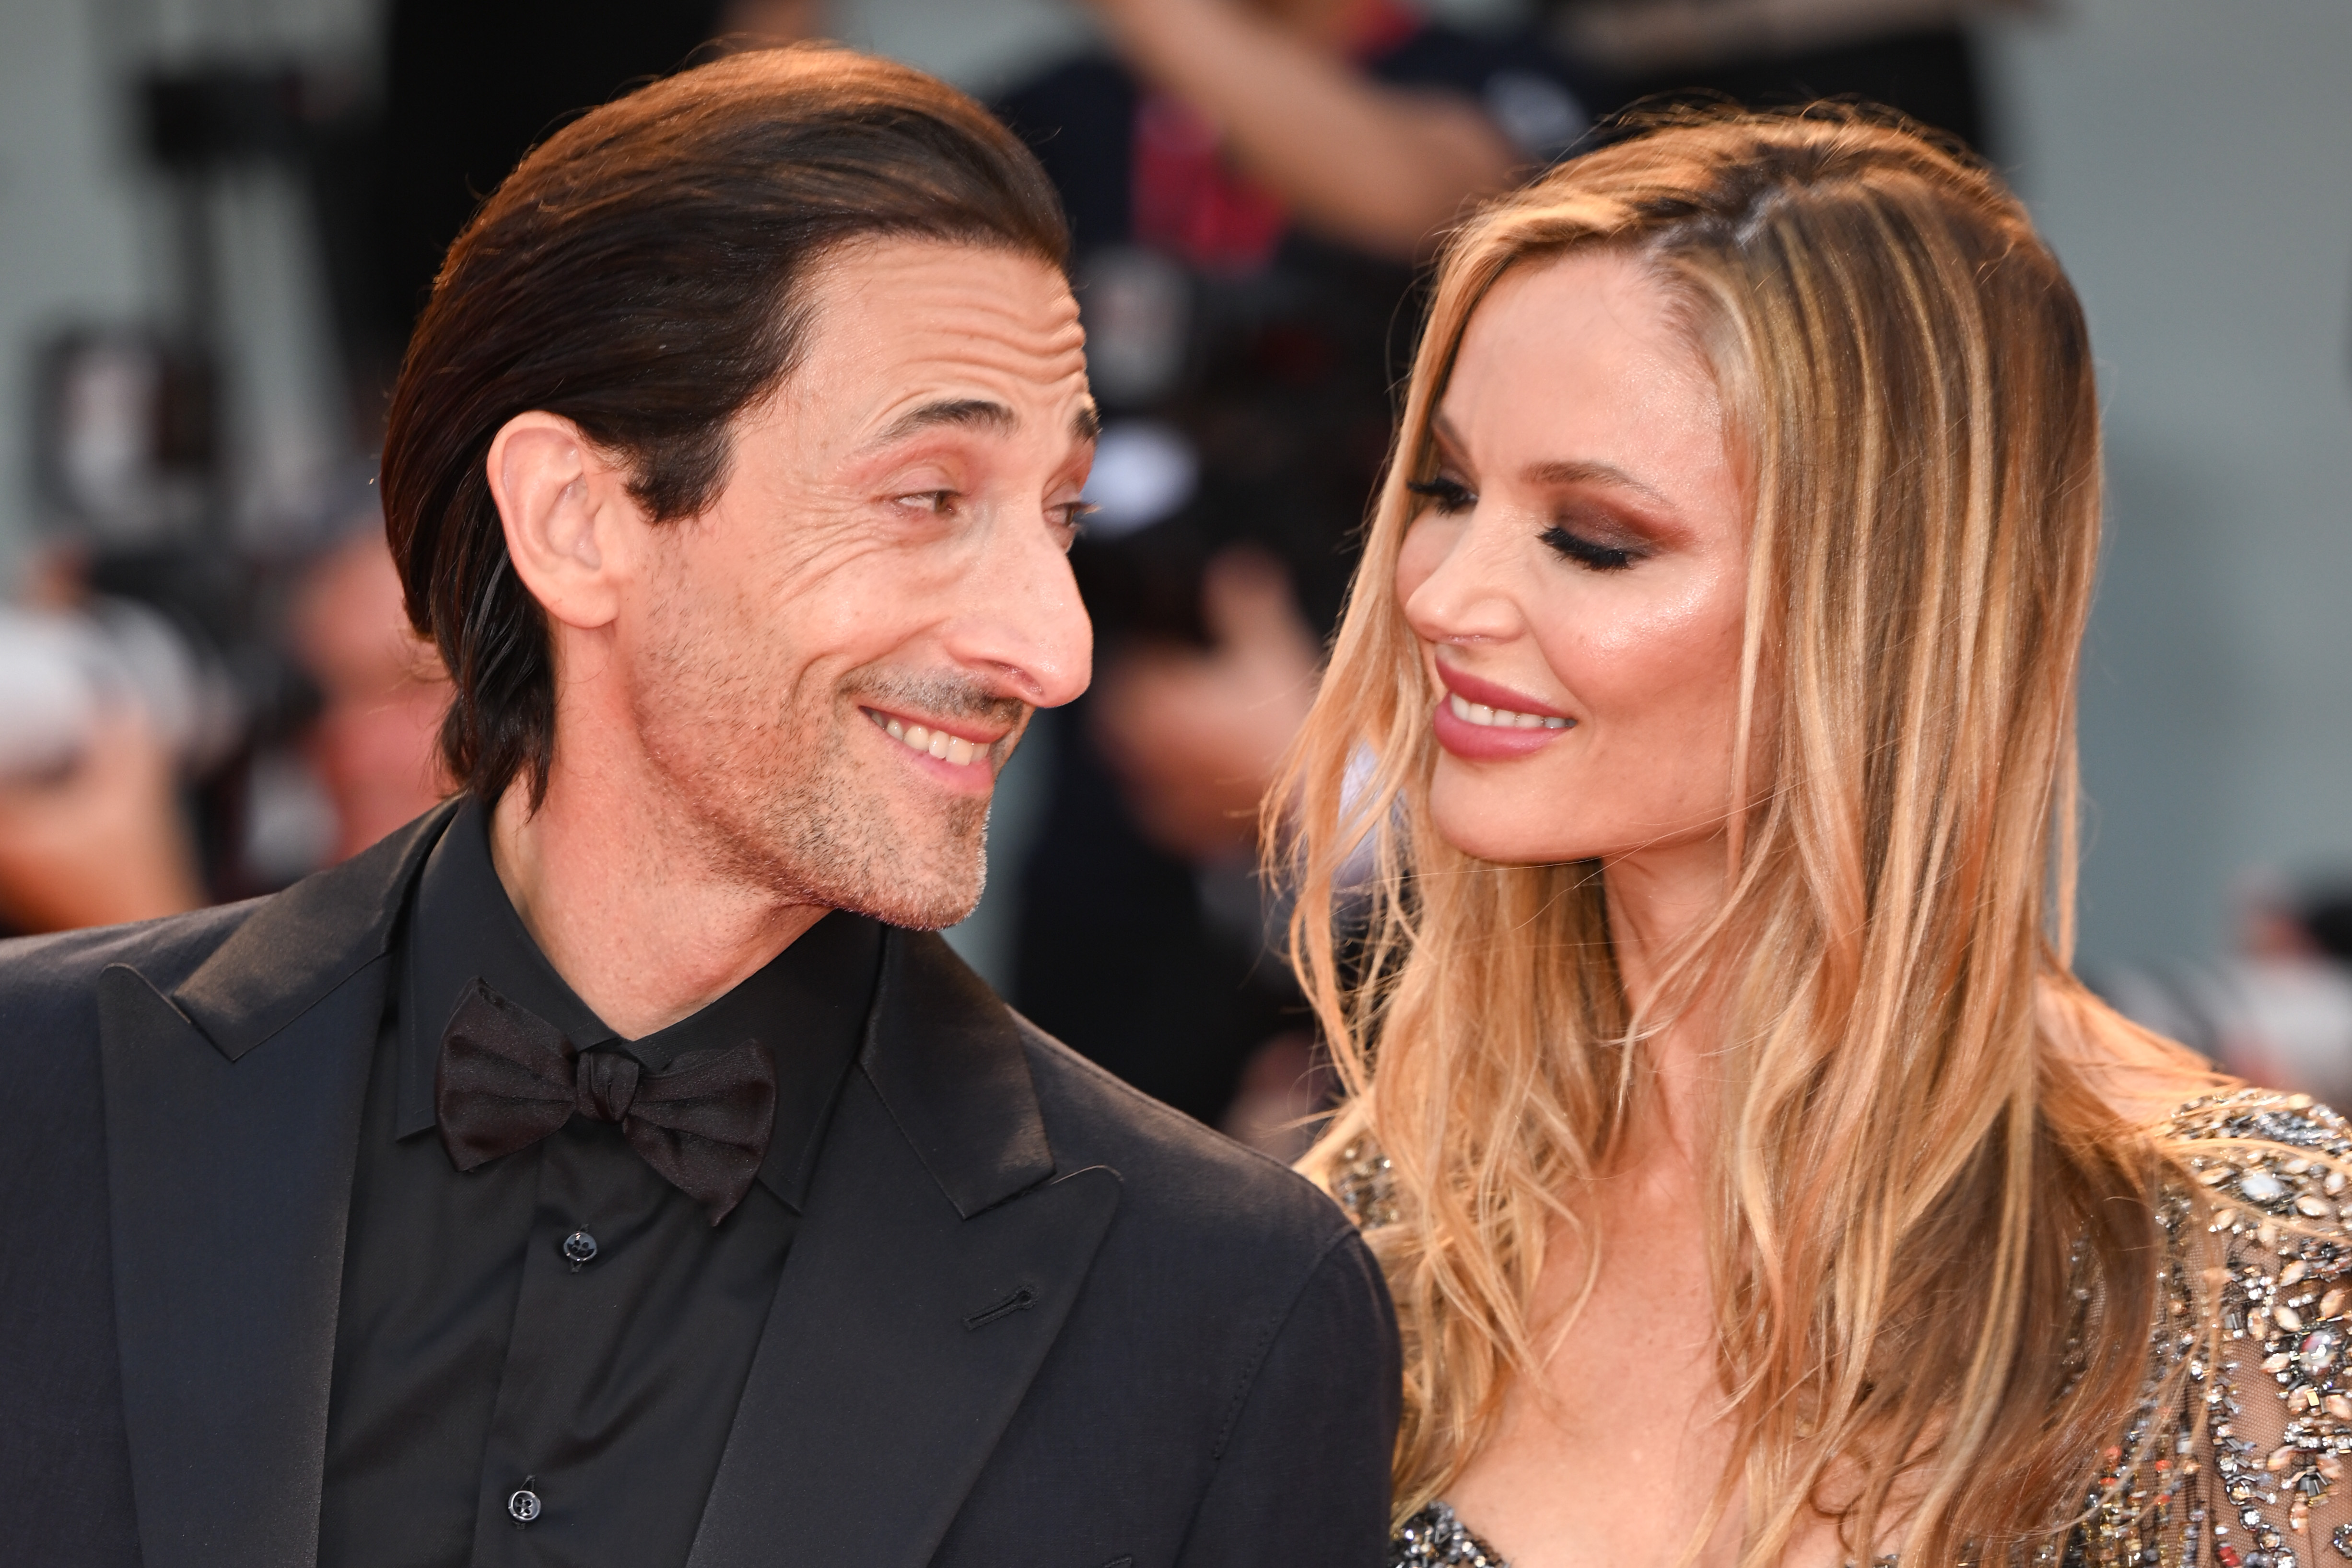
973	412
1586	473
980	412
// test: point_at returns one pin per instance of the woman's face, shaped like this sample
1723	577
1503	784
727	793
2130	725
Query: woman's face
1576	575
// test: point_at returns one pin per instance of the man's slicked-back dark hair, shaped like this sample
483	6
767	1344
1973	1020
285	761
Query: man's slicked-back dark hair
641	275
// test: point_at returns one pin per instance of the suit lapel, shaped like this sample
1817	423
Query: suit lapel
232	1116
937	1261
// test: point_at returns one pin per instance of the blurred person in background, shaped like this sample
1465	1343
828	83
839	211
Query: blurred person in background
95	819
94	824
375	745
1250	184
102	841
1912	55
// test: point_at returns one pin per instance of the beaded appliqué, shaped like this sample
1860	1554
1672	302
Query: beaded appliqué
2276	1177
1434	1537
1364	1186
2255	1305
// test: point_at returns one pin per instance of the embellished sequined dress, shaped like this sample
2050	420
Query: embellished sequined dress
2236	1458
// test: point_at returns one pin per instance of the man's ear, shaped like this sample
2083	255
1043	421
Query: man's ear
567	510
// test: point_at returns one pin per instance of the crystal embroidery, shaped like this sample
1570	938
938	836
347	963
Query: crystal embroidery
1364	1186
2238	1448
1434	1537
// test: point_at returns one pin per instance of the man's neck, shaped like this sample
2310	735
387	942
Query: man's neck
627	907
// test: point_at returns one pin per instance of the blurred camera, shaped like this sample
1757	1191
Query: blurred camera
60	674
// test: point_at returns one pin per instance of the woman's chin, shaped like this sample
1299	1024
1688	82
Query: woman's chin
1494	830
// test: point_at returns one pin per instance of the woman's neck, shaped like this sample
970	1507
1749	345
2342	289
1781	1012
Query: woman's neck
1658	899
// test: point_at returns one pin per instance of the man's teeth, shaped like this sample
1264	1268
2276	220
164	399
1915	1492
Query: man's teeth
951	749
1502	718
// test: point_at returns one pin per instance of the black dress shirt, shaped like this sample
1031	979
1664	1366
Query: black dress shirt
477	1358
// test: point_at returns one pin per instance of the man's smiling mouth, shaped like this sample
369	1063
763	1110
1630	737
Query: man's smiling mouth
954	749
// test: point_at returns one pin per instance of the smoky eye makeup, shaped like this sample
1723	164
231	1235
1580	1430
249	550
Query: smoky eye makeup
1591	553
1595	543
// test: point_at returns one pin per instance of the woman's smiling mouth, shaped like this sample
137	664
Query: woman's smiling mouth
1480	721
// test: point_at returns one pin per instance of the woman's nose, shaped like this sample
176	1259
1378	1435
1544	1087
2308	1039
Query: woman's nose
1455	582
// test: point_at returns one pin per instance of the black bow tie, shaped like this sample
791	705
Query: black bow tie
508	1077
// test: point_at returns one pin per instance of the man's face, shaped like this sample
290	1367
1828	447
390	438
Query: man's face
830	665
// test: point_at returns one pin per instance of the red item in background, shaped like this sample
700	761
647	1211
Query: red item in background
1189	203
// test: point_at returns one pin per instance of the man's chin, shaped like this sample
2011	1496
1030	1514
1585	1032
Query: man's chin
921	888
925	909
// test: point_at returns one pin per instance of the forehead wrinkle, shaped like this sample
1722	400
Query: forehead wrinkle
934	307
960	309
942	345
961	356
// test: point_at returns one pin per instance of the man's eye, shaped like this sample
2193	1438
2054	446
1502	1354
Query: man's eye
1074	515
1448	495
939	503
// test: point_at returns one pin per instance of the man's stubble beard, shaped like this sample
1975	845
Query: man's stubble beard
833	843
782	806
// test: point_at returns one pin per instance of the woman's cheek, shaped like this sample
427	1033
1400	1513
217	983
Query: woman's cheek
1643	649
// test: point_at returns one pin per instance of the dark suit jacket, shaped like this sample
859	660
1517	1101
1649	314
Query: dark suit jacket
1031	1318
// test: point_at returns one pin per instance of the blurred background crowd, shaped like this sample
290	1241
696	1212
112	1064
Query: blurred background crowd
218	219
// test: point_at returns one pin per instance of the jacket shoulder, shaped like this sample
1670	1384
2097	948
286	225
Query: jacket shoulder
247	966
1181	1178
52	978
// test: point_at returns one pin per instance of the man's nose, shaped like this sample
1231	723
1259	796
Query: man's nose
1020	620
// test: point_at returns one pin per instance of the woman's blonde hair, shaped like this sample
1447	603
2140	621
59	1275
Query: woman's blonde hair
1934	1244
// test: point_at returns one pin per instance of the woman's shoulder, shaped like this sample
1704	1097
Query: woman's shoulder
2260	1154
2260	1309
2247	1112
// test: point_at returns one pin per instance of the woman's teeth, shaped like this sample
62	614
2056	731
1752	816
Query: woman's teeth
950	749
1472	712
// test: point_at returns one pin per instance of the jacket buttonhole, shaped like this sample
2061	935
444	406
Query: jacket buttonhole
1020	1301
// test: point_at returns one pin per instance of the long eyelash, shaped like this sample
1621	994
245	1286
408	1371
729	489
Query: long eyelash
1585	553
1451	495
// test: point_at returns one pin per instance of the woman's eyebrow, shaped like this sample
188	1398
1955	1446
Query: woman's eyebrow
1564	472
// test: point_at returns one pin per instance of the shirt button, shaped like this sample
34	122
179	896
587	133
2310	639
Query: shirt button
580	1248
523	1506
